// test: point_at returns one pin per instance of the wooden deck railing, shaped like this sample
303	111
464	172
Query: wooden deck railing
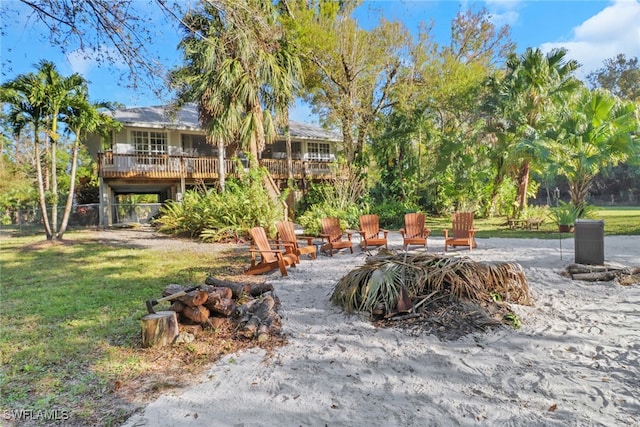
112	165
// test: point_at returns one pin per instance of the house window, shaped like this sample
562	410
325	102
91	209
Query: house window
149	146
319	151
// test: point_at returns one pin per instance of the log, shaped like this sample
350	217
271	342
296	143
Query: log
237	289
258	289
243	312
217	322
269	326
263	308
261	317
263	333
222	306
604	276
250	329
159	329
222	292
177	306
194	298
172	289
582	268
195	315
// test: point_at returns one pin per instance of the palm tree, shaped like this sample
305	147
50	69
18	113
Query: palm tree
38	99
286	85
232	71
24	96
58	93
596	131
527	99
82	118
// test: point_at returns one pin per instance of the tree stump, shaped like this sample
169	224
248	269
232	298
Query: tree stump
159	329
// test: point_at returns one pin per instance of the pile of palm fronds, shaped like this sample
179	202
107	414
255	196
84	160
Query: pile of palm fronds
388	285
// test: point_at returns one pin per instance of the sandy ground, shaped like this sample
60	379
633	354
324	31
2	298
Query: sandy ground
574	362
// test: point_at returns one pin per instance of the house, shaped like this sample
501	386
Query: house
163	153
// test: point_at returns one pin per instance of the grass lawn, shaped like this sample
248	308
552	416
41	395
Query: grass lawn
70	337
617	221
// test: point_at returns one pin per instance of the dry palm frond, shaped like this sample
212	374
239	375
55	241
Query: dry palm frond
508	280
364	289
378	282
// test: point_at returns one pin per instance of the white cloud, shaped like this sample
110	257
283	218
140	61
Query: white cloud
83	61
614	30
504	12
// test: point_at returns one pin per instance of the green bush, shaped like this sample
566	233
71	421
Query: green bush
221	216
311	219
391	213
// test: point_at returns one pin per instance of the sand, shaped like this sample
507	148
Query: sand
575	361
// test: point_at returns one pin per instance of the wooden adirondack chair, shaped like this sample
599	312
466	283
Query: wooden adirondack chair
333	233
462	231
370	232
414	231
270	257
287	235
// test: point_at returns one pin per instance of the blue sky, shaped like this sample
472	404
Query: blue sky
592	30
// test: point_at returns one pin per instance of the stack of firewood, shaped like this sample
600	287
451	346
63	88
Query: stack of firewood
252	307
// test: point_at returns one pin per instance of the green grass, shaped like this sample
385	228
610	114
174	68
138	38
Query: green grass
617	221
70	320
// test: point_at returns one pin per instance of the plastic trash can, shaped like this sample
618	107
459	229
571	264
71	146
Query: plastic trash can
589	242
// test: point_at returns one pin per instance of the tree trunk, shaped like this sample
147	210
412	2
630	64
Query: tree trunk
349	143
54	190
221	169
497	182
72	187
258	143
290	180
41	191
159	329
523	185
579	190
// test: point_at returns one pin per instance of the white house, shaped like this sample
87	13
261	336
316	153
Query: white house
163	153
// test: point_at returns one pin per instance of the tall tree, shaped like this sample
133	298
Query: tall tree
441	101
235	71
619	75
82	118
59	91
25	99
597	130
526	100
39	99
349	72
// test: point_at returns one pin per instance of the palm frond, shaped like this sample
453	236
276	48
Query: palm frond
377	284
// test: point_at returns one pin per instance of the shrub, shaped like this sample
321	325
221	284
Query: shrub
391	213
221	216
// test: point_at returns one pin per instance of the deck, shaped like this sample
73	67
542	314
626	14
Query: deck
112	165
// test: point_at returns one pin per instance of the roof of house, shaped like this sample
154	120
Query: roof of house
186	118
